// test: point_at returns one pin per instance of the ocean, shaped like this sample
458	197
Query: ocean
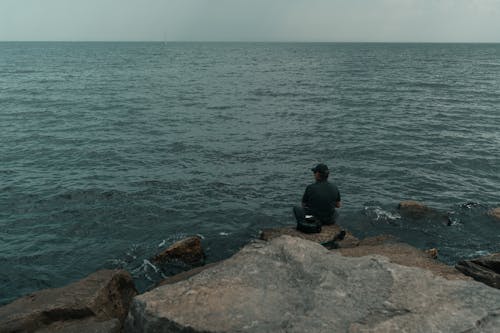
112	151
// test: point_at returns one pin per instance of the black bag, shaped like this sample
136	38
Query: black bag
309	226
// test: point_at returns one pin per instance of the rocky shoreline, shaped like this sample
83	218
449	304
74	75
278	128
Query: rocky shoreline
284	282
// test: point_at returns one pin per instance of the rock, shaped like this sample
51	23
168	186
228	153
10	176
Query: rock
412	205
484	269
417	210
403	254
328	232
84	326
185	275
99	298
414	208
188	250
290	284
432	253
495	212
378	240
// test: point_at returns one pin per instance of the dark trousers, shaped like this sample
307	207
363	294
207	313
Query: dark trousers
300	215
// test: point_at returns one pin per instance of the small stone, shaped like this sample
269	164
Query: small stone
495	212
188	250
432	253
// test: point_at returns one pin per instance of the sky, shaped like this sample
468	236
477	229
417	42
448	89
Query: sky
251	20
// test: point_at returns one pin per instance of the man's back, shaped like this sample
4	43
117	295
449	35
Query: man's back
320	199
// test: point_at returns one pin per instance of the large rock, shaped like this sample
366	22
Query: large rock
293	285
95	303
328	232
188	250
88	325
403	254
417	210
185	275
484	269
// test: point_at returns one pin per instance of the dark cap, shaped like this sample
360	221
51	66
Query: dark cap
321	168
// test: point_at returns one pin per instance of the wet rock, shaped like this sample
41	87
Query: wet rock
417	210
432	253
495	212
484	269
290	284
100	297
328	232
188	250
84	326
185	275
414	208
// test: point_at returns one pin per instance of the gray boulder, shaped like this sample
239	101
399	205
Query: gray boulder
98	303
294	285
403	254
484	269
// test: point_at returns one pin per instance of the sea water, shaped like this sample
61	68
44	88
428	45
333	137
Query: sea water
112	151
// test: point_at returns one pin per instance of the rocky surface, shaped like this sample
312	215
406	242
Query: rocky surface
328	232
185	275
484	269
188	250
403	254
89	325
290	284
98	303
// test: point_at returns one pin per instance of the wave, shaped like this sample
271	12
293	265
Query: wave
89	195
377	213
261	92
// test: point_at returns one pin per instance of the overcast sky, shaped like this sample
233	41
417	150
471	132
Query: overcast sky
251	20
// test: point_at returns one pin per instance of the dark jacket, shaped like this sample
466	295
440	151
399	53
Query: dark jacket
320	200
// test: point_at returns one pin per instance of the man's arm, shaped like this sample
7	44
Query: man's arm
338	202
305	198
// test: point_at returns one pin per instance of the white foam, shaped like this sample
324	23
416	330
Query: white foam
146	263
381	214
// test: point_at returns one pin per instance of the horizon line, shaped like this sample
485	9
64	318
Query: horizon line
249	41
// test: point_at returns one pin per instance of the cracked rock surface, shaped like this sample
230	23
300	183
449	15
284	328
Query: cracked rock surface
97	303
485	269
294	285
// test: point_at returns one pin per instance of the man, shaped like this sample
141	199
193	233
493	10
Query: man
320	198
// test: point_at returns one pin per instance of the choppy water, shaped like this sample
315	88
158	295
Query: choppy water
111	150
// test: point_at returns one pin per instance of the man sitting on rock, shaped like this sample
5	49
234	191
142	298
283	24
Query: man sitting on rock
320	198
